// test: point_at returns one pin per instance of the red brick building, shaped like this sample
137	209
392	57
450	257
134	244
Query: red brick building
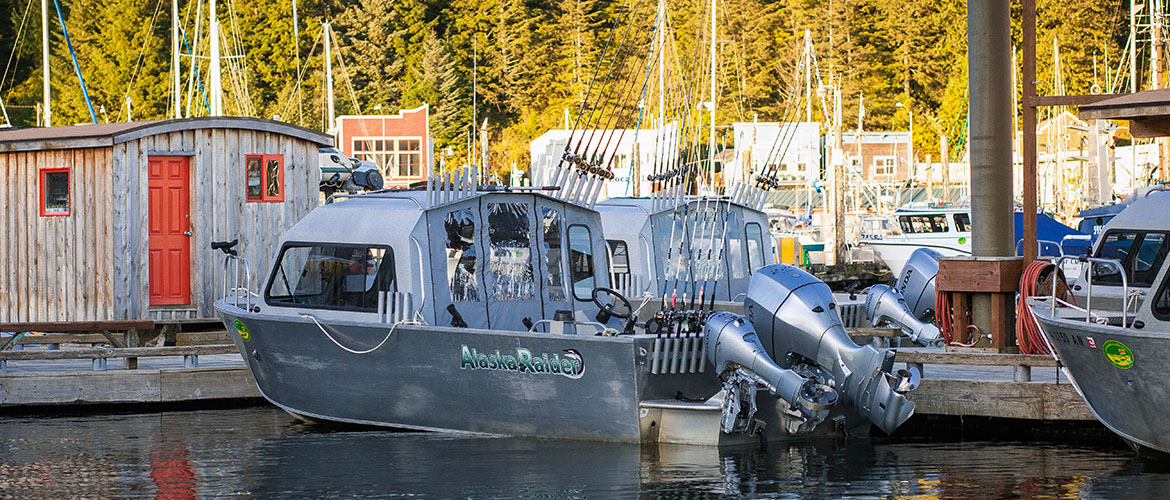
400	144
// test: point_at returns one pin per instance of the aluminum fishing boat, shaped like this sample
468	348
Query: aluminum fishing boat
490	310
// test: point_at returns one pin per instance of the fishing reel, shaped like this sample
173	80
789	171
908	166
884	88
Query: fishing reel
587	166
767	182
678	321
665	175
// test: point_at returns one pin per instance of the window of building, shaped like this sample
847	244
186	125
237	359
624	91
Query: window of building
755	246
396	157
581	262
333	276
509	253
553	270
884	166
462	271
54	192
264	175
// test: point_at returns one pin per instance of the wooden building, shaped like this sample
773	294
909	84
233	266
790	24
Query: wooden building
115	221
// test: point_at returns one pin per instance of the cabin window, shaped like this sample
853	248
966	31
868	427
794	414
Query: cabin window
554	276
621	256
462	270
581	262
1161	305
509	256
962	222
1140	253
910	224
264	176
346	277
755	246
54	192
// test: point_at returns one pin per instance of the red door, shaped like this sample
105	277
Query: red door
170	230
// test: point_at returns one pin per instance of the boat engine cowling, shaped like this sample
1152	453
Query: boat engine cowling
734	349
917	283
884	306
796	320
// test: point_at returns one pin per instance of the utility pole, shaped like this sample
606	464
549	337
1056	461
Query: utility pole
328	74
807	76
216	90
711	139
1133	87
175	57
946	168
47	107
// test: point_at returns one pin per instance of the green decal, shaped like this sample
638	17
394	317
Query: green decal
962	239
241	329
567	363
1118	354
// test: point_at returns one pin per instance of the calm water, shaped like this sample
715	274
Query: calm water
261	452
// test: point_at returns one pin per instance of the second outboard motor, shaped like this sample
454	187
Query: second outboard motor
732	346
795	316
917	283
884	305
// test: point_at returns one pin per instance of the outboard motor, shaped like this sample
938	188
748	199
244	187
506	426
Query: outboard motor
795	315
733	348
910	304
917	283
884	306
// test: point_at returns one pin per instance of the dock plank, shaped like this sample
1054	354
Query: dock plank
1016	400
127	386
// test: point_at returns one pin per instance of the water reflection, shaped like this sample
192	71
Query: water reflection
262	452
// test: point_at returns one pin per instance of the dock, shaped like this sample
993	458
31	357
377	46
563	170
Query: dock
954	384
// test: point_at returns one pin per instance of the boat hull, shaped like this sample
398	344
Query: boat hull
457	379
1120	373
895	252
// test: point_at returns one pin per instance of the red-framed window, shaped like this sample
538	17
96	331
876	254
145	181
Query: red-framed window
264	178
54	191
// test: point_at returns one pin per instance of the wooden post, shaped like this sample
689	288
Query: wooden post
131	340
946	167
1028	144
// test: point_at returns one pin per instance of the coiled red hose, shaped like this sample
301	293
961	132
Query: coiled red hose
1028	334
944	319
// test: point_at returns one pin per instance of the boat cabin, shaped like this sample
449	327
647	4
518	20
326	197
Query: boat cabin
1138	238
702	240
490	260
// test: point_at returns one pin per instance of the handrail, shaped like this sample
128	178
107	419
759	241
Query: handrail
649	286
1039	248
422	280
233	274
1089	285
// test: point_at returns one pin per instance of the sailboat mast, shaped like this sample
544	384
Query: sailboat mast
329	74
711	139
216	90
807	76
1133	47
297	50
175	57
48	110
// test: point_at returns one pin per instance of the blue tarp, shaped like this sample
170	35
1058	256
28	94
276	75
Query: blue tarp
1049	230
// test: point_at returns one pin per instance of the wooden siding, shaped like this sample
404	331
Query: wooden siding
92	264
55	268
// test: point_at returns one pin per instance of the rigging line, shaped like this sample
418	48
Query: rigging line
141	53
76	68
241	51
193	49
345	74
605	82
15	47
305	67
589	91
194	74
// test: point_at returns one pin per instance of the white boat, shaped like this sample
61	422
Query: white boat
944	229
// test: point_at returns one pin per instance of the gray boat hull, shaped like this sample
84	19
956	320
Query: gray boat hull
459	379
1120	372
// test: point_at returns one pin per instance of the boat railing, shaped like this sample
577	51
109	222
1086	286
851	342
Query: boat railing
1040	246
238	281
1114	263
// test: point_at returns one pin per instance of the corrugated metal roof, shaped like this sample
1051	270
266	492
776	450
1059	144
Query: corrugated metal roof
108	134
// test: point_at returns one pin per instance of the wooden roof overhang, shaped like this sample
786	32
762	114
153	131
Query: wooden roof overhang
1148	112
109	134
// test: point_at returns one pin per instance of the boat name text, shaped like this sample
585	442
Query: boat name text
569	365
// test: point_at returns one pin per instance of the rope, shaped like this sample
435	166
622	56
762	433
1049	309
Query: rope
76	68
15	47
367	351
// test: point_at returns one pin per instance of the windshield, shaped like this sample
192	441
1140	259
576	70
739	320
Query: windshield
347	277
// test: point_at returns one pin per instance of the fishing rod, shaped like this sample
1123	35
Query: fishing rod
576	158
589	91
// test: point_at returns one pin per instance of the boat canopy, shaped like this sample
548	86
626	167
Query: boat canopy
491	260
702	241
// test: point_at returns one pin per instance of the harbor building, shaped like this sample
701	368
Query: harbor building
795	148
115	221
400	144
881	156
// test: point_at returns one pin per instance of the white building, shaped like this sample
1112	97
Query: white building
794	147
652	144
